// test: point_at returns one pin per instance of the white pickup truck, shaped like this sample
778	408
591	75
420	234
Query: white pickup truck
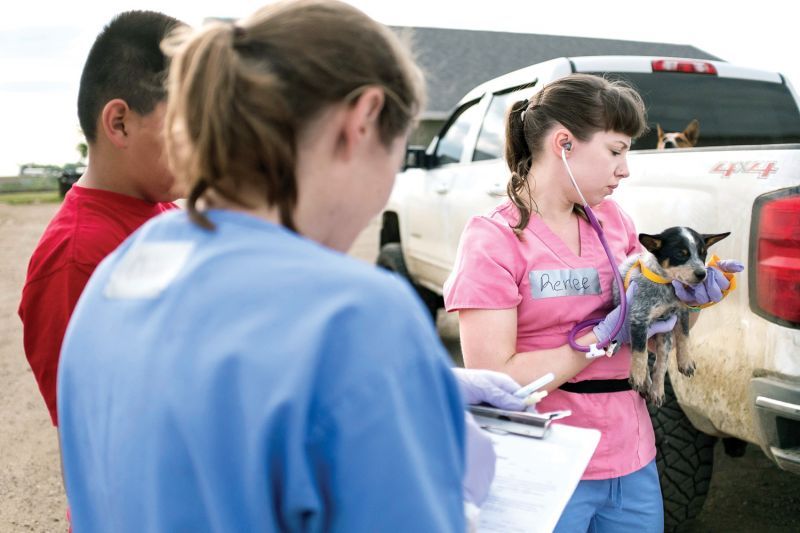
743	176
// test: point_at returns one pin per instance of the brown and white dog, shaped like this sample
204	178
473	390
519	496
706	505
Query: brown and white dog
682	139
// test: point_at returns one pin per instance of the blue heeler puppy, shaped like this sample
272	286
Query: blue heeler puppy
677	253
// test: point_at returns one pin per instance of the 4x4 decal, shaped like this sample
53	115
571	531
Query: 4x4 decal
762	168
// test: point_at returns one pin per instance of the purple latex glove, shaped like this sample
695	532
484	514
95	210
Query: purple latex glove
710	289
494	388
480	463
603	330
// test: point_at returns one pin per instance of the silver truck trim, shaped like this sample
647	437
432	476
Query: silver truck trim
791	409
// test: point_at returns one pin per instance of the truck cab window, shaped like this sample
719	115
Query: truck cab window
491	140
451	143
731	111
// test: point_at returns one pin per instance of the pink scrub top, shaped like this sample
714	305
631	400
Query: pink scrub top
552	290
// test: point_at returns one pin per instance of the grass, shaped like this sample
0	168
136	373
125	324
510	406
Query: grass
28	183
27	198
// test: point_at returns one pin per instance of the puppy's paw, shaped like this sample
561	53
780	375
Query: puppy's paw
655	399
640	382
656	396
688	369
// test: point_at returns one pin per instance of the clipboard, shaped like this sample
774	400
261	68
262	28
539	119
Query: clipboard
515	422
534	477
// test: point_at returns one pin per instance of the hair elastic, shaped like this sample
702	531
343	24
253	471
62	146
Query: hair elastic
524	108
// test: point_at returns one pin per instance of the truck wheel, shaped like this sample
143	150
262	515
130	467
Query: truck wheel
685	458
391	258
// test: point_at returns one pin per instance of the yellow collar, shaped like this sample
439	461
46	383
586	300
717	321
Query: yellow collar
646	272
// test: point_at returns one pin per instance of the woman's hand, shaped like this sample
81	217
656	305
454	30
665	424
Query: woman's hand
495	388
480	463
487	386
711	288
604	329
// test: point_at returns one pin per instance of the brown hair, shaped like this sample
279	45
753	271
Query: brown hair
584	104
239	95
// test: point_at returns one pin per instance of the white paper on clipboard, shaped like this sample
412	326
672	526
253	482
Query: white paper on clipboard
535	478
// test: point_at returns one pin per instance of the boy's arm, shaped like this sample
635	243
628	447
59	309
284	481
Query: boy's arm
45	310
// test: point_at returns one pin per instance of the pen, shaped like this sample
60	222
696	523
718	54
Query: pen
525	391
535	397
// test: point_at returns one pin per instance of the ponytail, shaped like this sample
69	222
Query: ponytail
519	160
240	94
195	91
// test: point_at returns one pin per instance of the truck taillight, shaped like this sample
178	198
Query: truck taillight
683	65
775	257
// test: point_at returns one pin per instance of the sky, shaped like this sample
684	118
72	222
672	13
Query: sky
43	45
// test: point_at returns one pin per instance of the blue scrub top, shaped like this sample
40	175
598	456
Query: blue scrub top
249	379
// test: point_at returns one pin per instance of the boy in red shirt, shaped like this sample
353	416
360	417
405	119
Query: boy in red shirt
121	104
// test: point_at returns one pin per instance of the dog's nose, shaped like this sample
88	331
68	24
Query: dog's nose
700	274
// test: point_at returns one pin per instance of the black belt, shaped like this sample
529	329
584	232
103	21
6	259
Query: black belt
593	386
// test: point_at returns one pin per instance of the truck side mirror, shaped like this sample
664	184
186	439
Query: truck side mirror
417	158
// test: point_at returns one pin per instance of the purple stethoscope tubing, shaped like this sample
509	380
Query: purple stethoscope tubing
601	343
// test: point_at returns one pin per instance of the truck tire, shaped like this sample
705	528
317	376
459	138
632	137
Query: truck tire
391	258
685	458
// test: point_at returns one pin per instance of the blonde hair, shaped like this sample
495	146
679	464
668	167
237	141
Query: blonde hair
584	104
239	95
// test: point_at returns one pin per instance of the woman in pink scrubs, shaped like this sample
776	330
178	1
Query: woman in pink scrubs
533	268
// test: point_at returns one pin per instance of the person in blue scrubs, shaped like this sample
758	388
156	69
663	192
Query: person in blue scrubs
229	368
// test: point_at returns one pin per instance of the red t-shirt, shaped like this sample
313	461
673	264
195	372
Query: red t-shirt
90	224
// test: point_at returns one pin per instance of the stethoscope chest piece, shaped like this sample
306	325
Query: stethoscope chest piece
595	352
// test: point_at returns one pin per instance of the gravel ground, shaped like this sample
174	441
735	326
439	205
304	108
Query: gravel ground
31	495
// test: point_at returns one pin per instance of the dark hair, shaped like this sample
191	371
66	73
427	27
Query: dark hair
125	62
239	95
584	104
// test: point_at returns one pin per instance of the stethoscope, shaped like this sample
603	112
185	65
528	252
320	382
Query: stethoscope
602	346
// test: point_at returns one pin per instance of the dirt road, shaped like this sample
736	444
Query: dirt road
31	497
747	495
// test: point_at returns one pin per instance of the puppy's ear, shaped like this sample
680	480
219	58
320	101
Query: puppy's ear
711	239
651	242
692	132
660	131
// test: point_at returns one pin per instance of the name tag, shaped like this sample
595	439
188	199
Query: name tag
555	283
147	270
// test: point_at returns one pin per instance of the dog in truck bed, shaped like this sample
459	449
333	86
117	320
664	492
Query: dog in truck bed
681	139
